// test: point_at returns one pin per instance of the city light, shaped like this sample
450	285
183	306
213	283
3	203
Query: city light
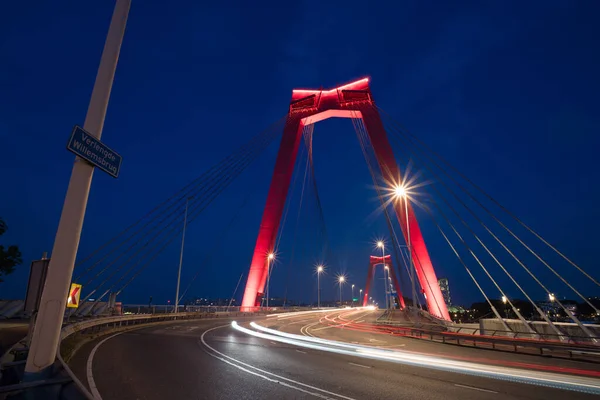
320	269
342	279
380	244
551	296
271	256
400	191
504	299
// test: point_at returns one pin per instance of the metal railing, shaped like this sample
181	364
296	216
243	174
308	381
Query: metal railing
551	345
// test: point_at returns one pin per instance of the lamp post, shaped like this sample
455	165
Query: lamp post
359	295
552	299
270	258
181	255
381	245
505	300
353	295
400	191
341	280
319	270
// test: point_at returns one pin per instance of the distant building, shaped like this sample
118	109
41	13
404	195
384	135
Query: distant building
445	288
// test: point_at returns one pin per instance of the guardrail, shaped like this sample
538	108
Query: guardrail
494	341
71	386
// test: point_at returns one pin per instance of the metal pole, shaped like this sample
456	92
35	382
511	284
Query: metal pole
340	294
181	256
352	295
268	279
318	290
384	275
409	244
46	332
235	291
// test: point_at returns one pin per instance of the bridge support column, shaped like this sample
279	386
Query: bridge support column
265	242
391	175
307	107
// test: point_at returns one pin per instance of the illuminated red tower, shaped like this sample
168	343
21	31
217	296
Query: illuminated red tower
353	100
387	260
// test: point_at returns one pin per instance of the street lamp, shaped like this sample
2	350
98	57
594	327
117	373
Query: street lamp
181	255
270	258
400	191
320	269
359	295
381	245
341	281
505	300
551	296
353	294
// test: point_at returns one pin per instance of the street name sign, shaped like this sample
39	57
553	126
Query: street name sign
86	146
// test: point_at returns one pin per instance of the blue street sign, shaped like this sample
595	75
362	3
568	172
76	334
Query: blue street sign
94	151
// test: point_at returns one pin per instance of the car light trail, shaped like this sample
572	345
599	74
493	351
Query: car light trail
559	381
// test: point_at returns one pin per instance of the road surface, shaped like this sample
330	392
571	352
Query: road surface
211	360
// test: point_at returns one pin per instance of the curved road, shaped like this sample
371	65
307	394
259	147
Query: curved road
211	360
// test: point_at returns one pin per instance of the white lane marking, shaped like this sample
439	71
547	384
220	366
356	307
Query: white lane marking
359	365
89	372
272	342
224	356
475	388
300	351
377	340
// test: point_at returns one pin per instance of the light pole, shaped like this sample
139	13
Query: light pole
400	191
504	300
46	333
552	299
359	295
381	245
181	255
319	270
388	289
341	280
353	295
270	258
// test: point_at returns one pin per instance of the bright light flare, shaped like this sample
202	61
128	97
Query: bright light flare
380	244
271	256
400	191
320	269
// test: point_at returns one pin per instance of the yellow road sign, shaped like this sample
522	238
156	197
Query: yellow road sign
74	293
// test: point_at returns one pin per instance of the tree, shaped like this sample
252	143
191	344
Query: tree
9	258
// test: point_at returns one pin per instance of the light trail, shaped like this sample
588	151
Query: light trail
558	381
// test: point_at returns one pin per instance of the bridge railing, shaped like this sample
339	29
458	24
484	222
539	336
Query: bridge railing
556	346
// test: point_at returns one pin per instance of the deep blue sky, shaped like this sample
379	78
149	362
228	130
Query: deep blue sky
507	91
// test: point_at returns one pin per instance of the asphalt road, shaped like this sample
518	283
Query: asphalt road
211	360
